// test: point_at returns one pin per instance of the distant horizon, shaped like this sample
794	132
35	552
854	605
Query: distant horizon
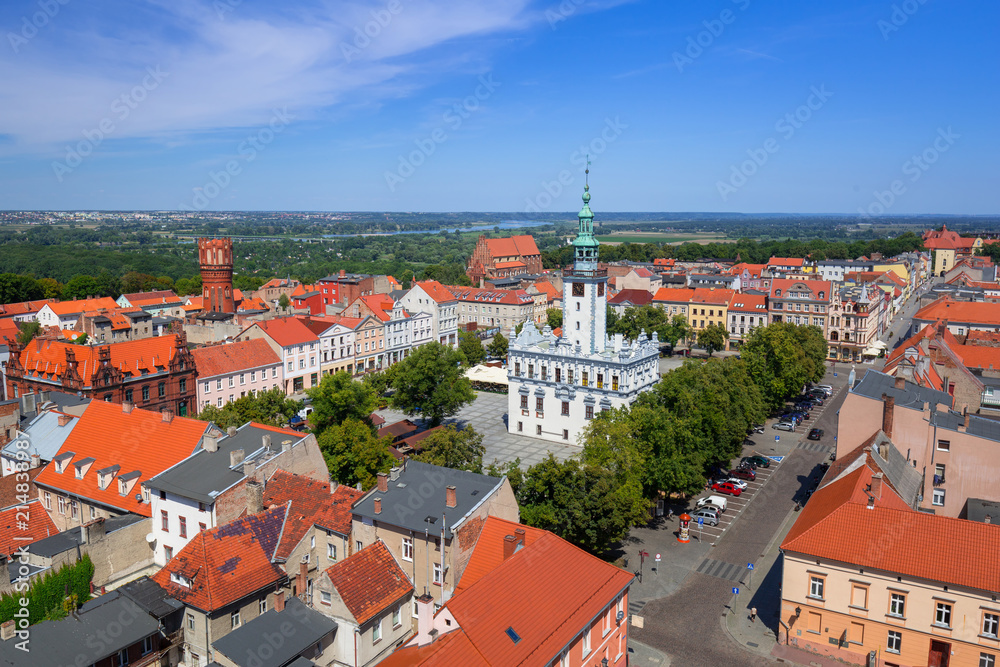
597	215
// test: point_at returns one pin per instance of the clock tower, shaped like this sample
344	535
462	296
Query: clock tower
585	300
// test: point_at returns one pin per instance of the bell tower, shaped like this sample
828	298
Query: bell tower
216	259
585	300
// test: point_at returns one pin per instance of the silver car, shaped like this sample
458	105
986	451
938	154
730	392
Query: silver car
784	426
711	517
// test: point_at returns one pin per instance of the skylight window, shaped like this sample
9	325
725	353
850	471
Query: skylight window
514	637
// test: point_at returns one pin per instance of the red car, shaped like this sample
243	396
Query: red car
727	487
743	473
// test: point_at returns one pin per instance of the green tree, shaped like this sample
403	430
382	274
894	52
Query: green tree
339	397
782	357
27	331
284	302
81	287
554	317
15	288
471	348
431	381
272	408
498	346
354	454
713	337
451	447
511	470
678	330
51	288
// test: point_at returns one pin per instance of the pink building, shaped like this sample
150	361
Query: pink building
228	371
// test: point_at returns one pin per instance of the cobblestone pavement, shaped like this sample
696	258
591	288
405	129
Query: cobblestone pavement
488	415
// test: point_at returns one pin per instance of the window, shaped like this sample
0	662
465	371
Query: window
145	393
524	402
539	404
128	395
569	375
218	402
73	508
190	621
558	375
168	553
234	619
897	604
121	659
357	545
408	548
331	551
377	631
588	412
517	368
164	521
565	434
182	385
243	378
437	574
253	376
614	383
262	607
183	529
48	501
991	624
520	426
939	474
565	408
938	497
586	643
545	372
147	645
538	430
816	587
161	389
600	380
397	617
987	660
201	526
942	614
585	379
894	641
218	385
944	445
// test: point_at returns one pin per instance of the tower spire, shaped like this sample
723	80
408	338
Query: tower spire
585	255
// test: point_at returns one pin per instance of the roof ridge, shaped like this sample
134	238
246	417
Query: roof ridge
281	534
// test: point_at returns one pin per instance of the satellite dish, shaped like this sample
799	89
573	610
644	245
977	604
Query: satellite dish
138	497
150	538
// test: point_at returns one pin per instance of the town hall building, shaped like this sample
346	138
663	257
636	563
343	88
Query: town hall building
558	384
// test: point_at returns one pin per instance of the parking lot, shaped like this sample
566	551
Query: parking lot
774	445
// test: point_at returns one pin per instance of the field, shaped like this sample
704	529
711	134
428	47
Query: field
616	238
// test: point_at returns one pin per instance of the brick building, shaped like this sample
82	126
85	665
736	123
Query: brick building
154	373
216	259
499	258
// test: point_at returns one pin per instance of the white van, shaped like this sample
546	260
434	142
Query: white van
714	501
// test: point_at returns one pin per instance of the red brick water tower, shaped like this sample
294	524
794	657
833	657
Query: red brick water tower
216	259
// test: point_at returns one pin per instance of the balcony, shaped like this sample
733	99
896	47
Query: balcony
584	273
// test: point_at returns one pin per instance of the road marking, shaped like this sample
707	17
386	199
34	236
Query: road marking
720	569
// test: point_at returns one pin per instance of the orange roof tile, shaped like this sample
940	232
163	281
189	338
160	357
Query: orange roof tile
312	504
453	648
16	530
252	304
82	305
674	294
549	289
718	296
816	286
152	294
157	301
522	245
227	563
436	291
8	487
136	441
753	269
978	356
23	308
635	296
785	261
232	357
983	313
47	358
512	297
487	555
369	582
753	303
8	330
286	331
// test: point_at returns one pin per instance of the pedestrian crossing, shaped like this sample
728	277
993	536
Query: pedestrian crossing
635	607
813	446
720	569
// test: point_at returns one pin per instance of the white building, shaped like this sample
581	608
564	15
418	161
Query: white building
558	384
433	298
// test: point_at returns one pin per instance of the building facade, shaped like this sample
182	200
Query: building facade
215	256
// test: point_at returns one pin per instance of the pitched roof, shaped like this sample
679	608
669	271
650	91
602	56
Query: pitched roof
17	531
23	308
751	303
152	294
522	245
512	297
381	305
369	581
785	261
639	297
984	313
753	269
227	563
311	504
978	356
136	441
82	305
9	495
436	291
674	294
549	289
228	358
46	359
894	538
814	286
716	295
287	331
487	555
299	627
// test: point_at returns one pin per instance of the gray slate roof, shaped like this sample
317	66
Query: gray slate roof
204	475
44	434
978	426
243	644
416	499
978	509
70	539
913	396
71	641
147	594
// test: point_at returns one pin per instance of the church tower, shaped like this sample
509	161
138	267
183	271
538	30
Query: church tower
585	300
216	259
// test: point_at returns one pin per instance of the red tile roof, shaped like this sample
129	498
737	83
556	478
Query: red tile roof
9	495
312	504
639	297
549	289
381	305
82	305
488	552
509	265
750	303
674	294
815	286
978	356
369	582
985	313
522	245
152	294
8	330
286	331
436	291
136	441
753	269
785	261
453	648
512	297
158	301
227	563
894	538
20	526
47	358
23	308
718	296
233	357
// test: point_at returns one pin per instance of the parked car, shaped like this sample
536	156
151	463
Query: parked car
825	387
743	473
718	502
727	487
738	483
757	428
709	517
745	462
815	434
784	426
758	460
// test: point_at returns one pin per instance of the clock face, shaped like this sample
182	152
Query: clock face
577	289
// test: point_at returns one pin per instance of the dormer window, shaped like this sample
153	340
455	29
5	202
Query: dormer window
180	580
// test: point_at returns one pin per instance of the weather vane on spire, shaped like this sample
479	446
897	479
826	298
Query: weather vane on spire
586	172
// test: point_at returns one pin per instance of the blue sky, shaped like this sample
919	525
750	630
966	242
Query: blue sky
403	105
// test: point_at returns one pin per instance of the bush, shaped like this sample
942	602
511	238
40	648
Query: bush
47	595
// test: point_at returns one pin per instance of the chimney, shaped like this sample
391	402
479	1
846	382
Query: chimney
966	414
519	534
378	506
425	620
210	442
300	581
449	497
286	445
900	382
394	474
266	441
383	482
64	419
888	407
279	600
36	461
235	458
509	545
343	273
7	630
92	532
4	568
127	406
334	485
255	497
231	431
942	326
877	485
248	468
988	519
167	415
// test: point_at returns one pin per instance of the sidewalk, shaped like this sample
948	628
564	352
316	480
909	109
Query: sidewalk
640	655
